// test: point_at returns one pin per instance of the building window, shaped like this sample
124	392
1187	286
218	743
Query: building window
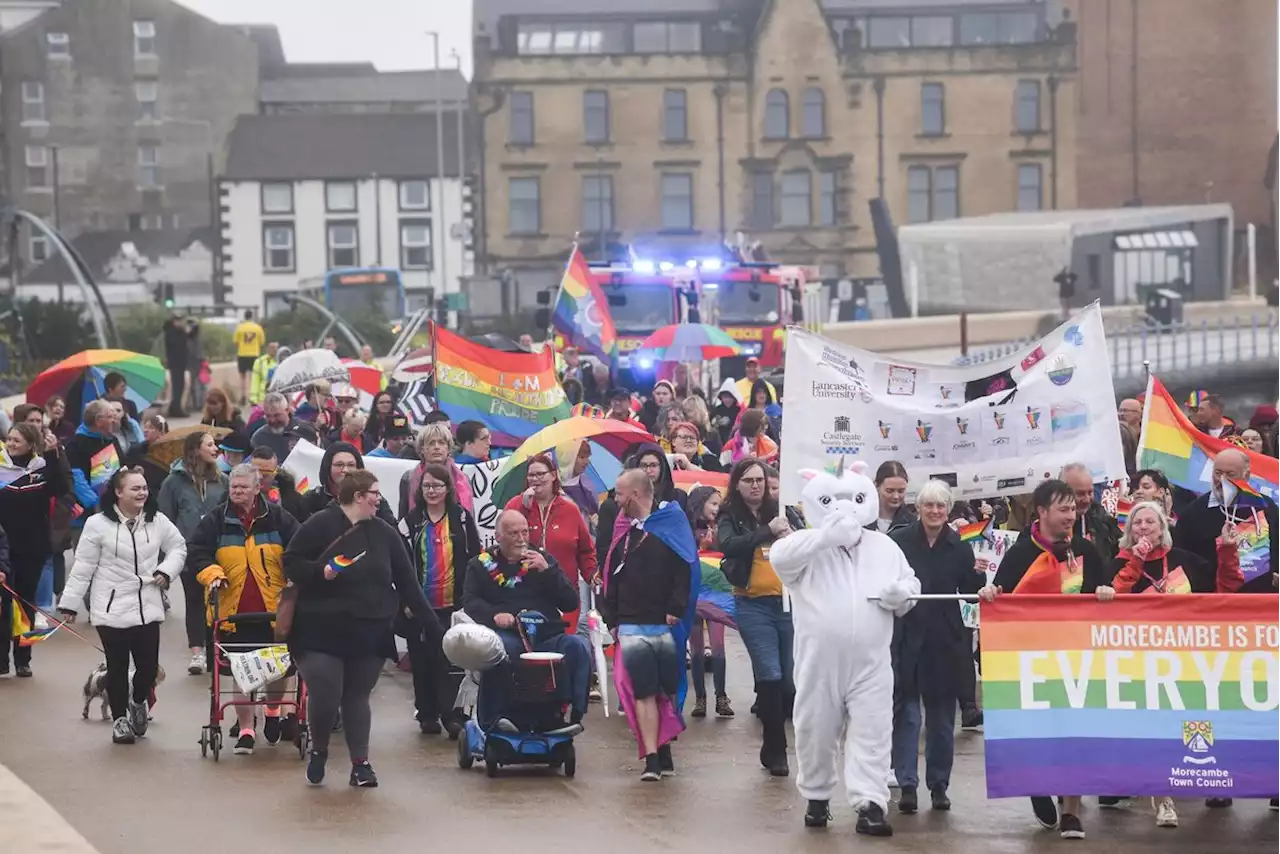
1027	106
889	32
277	198
677	201
777	124
813	114
147	94
277	247
37	159
38	248
340	196
414	195
415	246
1030	183
932	31
149	166
984	28
667	37
344	244
675	115
597	203
521	131
144	39
796	207
933	119
827	183
762	200
933	194
595	115
33	101
524	206
57	45
570	38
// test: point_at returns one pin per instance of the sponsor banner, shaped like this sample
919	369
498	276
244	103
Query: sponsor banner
1149	695
304	464
994	429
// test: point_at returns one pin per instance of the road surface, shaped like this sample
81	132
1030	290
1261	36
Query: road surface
160	796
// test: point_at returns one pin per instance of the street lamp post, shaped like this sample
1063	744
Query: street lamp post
439	215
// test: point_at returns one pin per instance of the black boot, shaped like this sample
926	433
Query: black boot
818	814
872	822
773	752
908	801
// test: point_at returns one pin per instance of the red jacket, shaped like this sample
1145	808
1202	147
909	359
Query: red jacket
569	541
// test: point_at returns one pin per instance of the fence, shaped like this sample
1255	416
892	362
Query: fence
1171	347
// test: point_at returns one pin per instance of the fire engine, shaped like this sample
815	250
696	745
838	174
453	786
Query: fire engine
754	300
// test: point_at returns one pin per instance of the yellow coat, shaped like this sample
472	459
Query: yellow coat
220	550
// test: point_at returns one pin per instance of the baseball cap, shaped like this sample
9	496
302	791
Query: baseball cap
751	359
398	428
619	394
236	443
303	430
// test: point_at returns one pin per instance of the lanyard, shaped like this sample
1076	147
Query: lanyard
543	518
1164	575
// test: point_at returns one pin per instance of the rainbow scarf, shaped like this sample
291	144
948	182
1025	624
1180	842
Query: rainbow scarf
435	550
1047	574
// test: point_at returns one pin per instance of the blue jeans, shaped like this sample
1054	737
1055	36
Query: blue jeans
767	633
497	685
939	742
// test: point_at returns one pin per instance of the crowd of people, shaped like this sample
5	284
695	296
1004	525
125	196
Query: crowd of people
225	517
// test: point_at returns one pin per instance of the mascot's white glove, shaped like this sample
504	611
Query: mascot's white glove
842	529
894	596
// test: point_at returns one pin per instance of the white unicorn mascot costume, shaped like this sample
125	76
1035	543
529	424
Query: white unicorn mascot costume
846	584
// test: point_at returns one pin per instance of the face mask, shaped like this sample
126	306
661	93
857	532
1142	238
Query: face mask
1227	492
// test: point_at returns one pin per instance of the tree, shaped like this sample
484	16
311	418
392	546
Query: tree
51	331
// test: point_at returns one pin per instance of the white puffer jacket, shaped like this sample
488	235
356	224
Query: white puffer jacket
117	567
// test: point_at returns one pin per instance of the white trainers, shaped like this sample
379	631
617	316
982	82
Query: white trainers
196	667
1166	815
891	780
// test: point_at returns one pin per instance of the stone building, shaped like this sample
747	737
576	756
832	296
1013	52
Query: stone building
684	121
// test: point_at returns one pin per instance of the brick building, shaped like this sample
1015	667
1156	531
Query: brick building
685	121
112	110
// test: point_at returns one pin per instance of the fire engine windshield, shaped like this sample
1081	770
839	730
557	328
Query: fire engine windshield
747	303
640	308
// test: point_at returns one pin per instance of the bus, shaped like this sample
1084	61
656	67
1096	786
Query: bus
357	290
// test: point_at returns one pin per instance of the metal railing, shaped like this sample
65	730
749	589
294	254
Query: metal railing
1170	347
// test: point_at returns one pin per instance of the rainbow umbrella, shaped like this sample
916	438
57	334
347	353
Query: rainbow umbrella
609	440
80	379
715	598
689	342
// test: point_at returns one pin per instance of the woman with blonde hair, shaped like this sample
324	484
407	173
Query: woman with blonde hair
435	445
218	412
697	414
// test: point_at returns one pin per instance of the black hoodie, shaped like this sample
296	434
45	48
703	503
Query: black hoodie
351	614
25	506
320	497
663	490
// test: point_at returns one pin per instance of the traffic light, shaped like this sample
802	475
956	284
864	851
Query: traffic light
163	294
542	315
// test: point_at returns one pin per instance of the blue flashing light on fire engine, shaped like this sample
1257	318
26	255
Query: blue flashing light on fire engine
710	264
666	266
645	267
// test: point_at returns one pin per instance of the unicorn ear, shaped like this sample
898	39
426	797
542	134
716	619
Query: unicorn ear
808	474
859	467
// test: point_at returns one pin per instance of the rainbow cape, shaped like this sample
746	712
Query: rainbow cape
715	597
582	312
513	394
1171	443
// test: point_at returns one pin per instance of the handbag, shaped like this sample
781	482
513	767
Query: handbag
287	605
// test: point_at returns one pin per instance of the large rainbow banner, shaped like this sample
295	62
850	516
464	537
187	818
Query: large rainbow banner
513	394
1146	695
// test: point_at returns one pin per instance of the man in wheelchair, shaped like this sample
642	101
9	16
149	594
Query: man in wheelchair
502	582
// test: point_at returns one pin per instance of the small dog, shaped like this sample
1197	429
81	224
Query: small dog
95	688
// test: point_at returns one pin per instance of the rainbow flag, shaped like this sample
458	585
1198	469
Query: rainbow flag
1171	443
22	630
1245	488
1149	695
513	394
1123	508
582	311
338	563
715	598
979	530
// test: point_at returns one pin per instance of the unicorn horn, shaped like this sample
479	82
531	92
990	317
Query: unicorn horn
840	467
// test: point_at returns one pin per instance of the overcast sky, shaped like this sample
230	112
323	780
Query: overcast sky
388	33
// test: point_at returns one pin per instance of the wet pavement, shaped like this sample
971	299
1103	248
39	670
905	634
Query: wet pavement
160	796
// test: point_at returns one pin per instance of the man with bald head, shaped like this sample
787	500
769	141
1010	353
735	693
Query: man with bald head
1130	414
1204	520
506	579
1093	522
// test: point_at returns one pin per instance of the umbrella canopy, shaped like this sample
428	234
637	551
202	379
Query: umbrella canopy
689	342
414	365
306	367
689	480
168	447
366	379
609	440
81	378
499	342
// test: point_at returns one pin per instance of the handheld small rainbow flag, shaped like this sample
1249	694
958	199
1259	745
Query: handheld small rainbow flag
338	563
303	485
22	630
1244	488
1123	508
979	530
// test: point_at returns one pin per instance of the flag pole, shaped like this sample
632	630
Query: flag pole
551	316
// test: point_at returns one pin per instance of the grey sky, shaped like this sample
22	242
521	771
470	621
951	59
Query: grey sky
388	33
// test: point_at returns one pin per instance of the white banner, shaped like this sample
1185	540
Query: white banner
304	462
993	429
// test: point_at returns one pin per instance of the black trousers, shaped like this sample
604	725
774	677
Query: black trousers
434	691
24	577
966	680
178	385
142	644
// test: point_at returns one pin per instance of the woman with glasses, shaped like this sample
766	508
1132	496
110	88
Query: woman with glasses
119	567
474	443
442	539
556	525
353	576
747	527
687	449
